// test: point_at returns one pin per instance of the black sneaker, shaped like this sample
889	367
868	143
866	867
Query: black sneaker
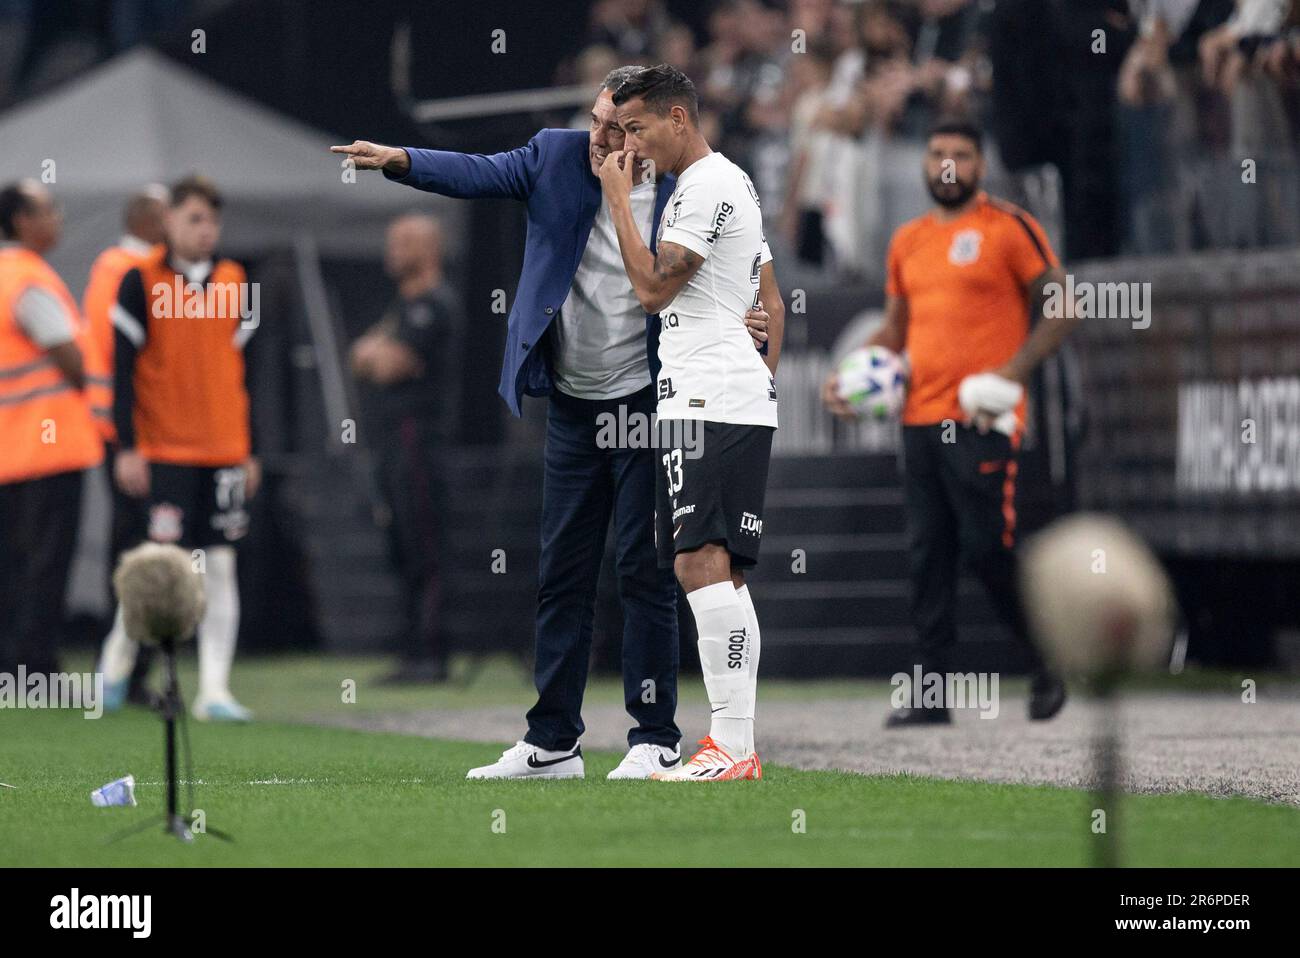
908	718
1046	696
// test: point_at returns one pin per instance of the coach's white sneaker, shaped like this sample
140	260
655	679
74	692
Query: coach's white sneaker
529	761
645	759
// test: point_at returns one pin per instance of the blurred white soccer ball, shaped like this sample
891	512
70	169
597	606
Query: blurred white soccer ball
873	381
1096	597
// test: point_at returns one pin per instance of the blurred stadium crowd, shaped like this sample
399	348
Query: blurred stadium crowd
825	102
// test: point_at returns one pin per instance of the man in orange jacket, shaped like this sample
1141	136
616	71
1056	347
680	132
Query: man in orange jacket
48	432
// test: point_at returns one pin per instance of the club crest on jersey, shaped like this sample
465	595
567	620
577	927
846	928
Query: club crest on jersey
965	247
165	522
671	218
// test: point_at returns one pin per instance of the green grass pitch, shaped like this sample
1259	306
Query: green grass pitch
304	795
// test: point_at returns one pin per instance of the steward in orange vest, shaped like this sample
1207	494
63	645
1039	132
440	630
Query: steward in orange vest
47	434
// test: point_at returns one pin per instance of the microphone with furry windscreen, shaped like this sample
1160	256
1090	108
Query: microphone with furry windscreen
1102	607
161	593
163	601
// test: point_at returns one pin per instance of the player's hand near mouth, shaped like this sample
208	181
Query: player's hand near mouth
616	175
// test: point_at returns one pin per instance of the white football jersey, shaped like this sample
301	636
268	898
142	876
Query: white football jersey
711	369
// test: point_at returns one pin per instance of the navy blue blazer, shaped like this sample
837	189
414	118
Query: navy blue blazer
552	174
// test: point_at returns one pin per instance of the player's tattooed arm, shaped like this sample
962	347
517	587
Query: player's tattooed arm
657	279
673	268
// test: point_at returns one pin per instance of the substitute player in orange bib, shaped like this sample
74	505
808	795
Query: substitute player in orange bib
963	284
181	410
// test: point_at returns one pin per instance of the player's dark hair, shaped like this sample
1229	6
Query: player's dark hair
661	88
958	126
13	200
199	186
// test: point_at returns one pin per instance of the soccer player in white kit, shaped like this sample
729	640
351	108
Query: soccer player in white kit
716	394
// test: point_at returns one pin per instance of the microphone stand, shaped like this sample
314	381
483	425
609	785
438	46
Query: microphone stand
172	709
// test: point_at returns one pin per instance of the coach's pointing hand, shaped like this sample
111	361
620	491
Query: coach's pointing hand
372	156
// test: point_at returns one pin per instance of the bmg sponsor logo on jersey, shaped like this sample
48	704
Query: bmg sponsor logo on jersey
720	214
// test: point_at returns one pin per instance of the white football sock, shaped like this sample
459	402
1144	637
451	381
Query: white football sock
118	656
220	626
755	647
724	658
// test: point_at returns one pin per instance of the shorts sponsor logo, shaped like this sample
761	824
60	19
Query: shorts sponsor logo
683	511
751	523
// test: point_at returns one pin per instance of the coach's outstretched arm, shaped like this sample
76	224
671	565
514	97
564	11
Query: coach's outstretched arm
509	175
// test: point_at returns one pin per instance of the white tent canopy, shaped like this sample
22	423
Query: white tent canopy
141	118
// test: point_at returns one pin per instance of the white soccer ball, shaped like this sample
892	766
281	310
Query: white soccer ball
1096	597
873	381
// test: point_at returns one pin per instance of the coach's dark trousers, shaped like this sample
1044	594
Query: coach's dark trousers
38	535
960	500
583	487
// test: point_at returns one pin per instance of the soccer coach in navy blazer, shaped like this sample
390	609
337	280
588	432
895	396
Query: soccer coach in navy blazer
600	357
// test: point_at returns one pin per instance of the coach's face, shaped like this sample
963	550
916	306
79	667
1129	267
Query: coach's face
954	167
606	134
655	139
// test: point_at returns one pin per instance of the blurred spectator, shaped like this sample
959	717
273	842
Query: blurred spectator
807	186
402	362
676	47
632	28
590	69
